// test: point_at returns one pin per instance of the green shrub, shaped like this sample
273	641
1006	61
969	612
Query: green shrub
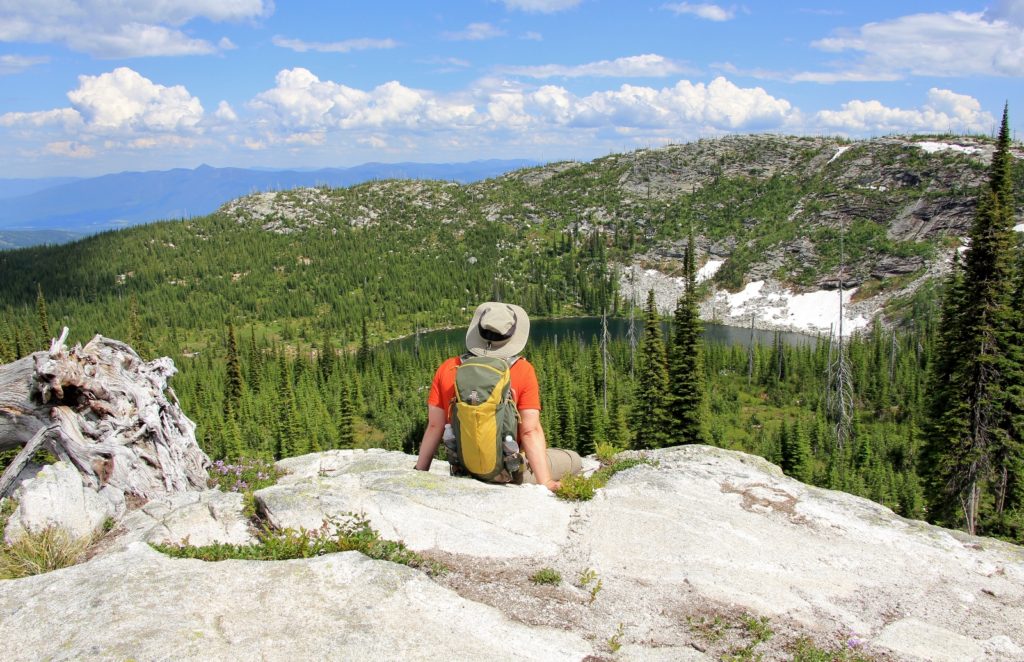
588	577
606	452
576	488
582	488
548	576
615	641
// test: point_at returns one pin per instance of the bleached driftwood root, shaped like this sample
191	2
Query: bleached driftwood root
107	412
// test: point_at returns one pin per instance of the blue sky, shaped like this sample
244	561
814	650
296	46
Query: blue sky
89	87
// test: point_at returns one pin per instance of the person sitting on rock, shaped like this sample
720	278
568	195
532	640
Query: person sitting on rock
499	331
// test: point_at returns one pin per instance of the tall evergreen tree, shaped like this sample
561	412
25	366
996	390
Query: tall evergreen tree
44	320
968	432
796	451
1008	518
363	355
650	418
233	393
346	424
6	347
685	402
134	339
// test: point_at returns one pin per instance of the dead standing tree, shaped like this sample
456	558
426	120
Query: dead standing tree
839	395
105	411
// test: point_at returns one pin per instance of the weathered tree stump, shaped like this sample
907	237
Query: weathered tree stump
107	412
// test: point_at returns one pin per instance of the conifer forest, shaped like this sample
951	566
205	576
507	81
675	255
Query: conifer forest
281	338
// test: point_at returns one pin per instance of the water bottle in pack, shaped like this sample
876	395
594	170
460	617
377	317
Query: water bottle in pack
513	460
450	447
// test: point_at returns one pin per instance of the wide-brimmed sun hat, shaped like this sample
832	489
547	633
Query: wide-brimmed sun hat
498	329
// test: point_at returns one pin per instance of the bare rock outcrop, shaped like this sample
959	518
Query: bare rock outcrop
668	561
58	498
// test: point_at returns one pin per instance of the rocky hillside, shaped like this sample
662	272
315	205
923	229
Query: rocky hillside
707	554
799	214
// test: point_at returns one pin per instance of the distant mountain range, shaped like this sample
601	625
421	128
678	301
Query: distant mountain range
54	210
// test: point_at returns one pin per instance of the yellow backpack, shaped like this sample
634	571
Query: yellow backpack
485	420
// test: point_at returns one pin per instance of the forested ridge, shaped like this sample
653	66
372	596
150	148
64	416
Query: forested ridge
275	309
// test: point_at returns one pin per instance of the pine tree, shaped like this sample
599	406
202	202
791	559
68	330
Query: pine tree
1008	518
135	339
796	452
233	393
44	321
346	425
650	418
256	360
288	431
685	402
6	347
618	425
586	440
968	433
363	355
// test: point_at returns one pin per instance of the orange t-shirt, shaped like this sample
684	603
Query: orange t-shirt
525	389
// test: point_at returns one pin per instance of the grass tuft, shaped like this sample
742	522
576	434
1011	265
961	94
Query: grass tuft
351	533
36	553
805	650
548	576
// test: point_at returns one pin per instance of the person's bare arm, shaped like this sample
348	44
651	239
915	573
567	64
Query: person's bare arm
531	438
436	419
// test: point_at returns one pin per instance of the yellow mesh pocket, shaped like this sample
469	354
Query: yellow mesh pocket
479	431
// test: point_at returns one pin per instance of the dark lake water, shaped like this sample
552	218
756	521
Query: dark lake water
588	329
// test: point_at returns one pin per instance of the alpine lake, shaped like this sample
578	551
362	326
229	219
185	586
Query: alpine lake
588	329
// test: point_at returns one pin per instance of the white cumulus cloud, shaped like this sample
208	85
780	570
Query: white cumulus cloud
718	105
123	99
225	112
302	101
120	109
943	111
345	46
123	28
650	65
931	44
703	10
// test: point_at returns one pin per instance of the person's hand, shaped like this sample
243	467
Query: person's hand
553	485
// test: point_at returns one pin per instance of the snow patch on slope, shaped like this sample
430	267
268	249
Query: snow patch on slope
709	270
811	312
839	152
772	305
932	147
